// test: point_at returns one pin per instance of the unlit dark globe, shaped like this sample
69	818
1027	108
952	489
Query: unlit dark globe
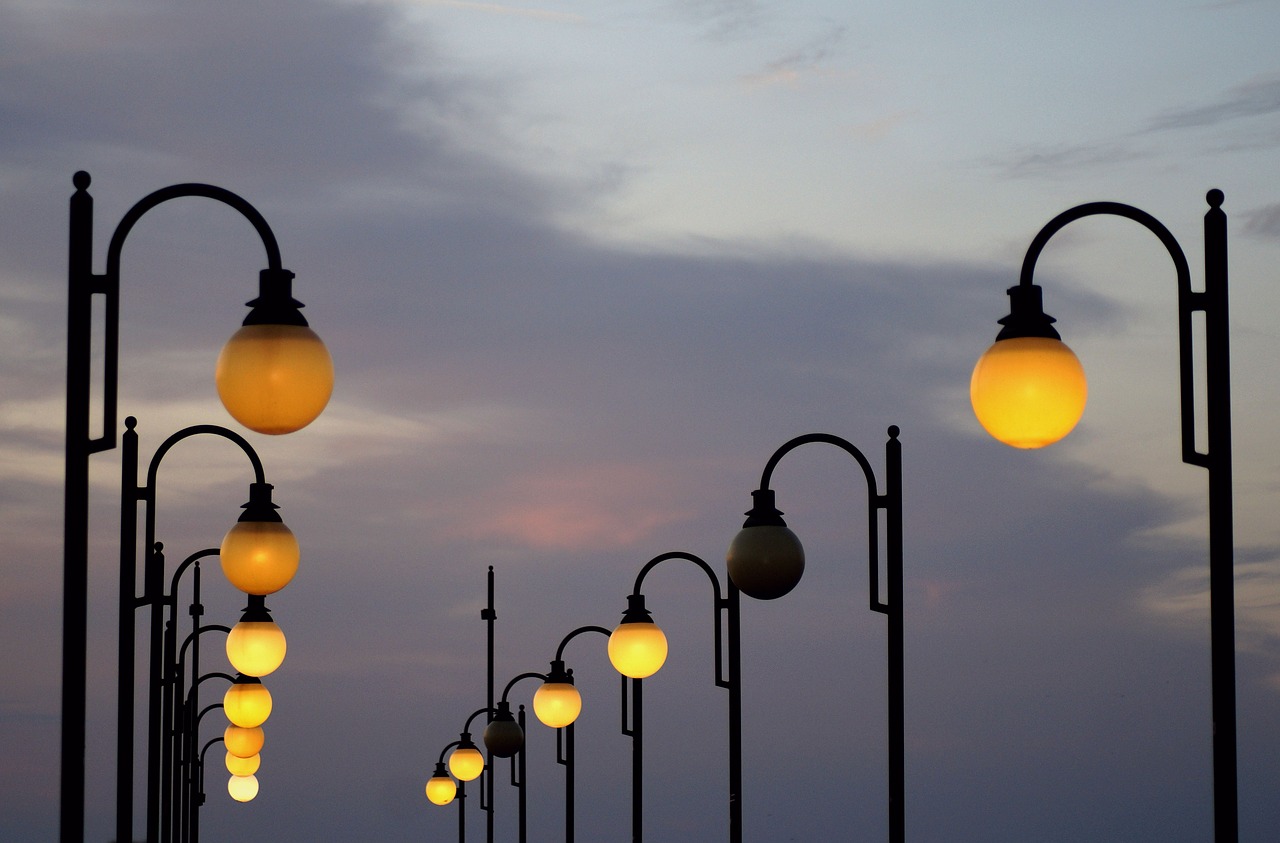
765	562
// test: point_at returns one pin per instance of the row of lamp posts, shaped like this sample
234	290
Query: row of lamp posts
765	561
274	376
1028	391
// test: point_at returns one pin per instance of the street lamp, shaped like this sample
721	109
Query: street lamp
1014	391
256	645
638	648
247	702
141	492
441	788
278	360
766	559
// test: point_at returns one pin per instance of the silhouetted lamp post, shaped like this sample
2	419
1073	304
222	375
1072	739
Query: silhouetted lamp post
765	561
1028	391
274	376
638	649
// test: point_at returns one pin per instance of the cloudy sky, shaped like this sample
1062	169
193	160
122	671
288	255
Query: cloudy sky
582	268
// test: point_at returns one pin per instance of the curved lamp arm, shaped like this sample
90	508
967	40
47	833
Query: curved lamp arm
721	604
1212	299
890	501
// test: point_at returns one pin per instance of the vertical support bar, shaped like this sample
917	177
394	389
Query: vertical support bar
897	715
520	761
735	712
489	615
462	812
636	731
75	527
126	640
1221	561
157	722
569	782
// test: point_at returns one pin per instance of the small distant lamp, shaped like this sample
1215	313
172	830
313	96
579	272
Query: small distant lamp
440	787
765	558
256	645
503	735
238	766
259	554
243	788
466	762
557	702
247	702
637	646
242	742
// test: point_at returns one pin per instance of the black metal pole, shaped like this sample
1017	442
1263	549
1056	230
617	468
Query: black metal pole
634	729
1221	542
490	616
1216	460
82	284
896	634
523	769
891	503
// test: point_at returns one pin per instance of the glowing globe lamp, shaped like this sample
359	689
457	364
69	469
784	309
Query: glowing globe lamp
1028	389
259	554
274	375
1028	392
242	742
247	702
765	559
238	766
466	762
243	788
637	646
440	787
256	645
557	702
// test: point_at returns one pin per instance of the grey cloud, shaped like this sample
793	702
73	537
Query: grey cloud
1064	158
1255	98
1263	222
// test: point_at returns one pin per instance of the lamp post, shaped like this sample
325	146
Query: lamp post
638	649
274	376
766	560
259	554
557	704
1027	392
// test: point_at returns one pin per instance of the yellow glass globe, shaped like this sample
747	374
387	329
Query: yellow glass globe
259	557
256	648
557	704
466	763
238	766
1028	392
247	704
441	790
242	742
274	378
637	649
243	788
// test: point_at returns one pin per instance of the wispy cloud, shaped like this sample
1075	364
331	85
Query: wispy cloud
806	59
1264	221
1257	97
506	10
1042	160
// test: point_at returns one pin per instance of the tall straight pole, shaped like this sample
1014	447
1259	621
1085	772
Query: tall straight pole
735	712
82	284
897	673
1221	554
